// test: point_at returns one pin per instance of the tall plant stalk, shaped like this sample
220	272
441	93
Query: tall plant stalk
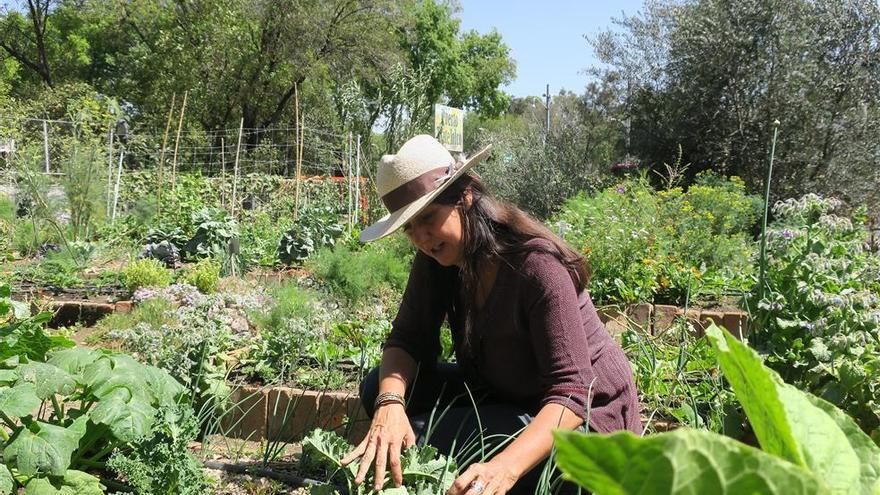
763	273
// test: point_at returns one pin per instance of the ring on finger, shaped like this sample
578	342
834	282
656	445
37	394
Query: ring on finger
477	486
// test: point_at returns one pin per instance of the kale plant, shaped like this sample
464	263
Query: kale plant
424	471
162	463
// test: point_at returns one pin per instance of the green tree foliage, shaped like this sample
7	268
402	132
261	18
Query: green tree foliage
712	75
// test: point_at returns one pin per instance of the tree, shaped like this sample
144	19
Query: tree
712	75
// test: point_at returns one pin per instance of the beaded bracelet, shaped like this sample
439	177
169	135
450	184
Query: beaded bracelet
388	398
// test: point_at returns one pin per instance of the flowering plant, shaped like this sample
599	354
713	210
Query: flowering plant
819	318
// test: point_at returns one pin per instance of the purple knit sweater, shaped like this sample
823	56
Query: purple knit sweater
537	340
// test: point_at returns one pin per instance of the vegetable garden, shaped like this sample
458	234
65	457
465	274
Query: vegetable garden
185	307
242	329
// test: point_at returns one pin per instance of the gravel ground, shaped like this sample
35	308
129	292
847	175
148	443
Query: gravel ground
237	484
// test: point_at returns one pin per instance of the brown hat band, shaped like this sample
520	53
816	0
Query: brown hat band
408	192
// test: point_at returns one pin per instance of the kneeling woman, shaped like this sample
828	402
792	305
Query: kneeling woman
531	353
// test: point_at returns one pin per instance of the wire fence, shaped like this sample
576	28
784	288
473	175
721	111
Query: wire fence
51	147
273	150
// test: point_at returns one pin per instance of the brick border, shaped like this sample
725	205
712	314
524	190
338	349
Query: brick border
287	414
655	319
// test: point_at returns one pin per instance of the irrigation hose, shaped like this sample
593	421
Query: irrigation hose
289	479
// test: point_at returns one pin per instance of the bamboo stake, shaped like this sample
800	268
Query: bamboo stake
177	141
350	185
357	184
223	173
162	155
763	256
235	169
46	145
298	150
109	169
116	189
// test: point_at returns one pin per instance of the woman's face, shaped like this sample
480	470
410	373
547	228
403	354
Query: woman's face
436	231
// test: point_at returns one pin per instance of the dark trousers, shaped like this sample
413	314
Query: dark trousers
468	425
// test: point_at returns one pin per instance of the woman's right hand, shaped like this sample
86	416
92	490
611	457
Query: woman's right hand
390	433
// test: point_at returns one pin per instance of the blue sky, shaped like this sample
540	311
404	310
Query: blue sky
546	38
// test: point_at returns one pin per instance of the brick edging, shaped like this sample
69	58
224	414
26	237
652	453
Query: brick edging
655	319
288	414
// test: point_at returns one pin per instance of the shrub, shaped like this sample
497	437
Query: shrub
316	229
204	275
644	245
145	272
357	276
819	317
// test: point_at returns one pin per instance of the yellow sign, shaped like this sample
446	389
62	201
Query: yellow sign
449	127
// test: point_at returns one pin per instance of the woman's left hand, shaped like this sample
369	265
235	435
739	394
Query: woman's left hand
490	478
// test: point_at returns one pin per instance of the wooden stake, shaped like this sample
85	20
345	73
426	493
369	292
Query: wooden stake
46	145
110	169
177	141
223	173
235	170
162	155
299	137
357	184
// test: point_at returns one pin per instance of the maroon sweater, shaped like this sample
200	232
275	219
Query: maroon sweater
537	341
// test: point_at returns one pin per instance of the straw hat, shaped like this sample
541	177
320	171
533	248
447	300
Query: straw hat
408	181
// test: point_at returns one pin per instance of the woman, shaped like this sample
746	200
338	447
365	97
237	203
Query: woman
531	352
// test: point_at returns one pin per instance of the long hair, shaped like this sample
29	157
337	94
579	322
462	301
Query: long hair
492	229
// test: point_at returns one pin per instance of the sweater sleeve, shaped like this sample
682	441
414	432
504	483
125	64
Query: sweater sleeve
416	328
557	333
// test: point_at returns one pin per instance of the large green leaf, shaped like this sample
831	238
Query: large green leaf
47	380
865	448
73	483
108	373
166	390
788	423
46	451
683	462
20	400
74	361
128	417
6	482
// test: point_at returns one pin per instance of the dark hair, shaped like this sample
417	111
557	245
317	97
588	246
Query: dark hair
491	229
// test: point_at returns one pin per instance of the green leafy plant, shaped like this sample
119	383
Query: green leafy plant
204	275
65	409
162	463
145	272
819	319
356	276
424	472
809	446
316	228
214	229
650	246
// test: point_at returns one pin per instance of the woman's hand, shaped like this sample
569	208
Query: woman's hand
390	433
490	478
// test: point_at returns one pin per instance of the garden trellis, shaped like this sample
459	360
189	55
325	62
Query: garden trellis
222	153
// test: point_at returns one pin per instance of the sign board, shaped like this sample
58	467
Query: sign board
449	127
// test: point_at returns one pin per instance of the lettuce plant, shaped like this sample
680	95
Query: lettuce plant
424	472
808	445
